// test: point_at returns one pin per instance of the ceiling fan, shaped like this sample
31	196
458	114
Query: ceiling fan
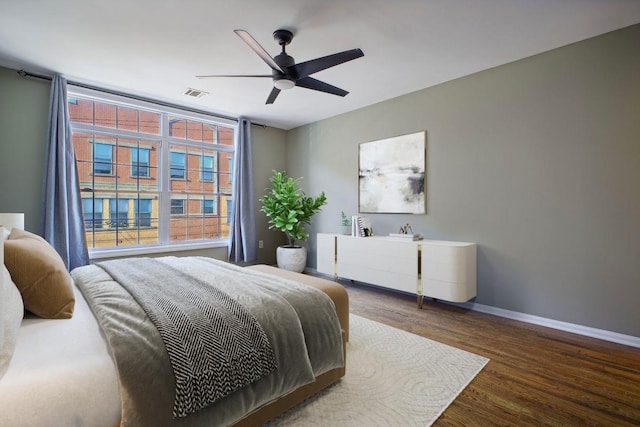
286	73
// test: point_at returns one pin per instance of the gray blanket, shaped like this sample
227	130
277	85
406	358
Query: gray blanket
299	321
214	344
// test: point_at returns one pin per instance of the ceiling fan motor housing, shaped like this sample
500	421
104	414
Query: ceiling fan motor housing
283	37
286	80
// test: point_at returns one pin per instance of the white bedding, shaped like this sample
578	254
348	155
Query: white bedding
66	358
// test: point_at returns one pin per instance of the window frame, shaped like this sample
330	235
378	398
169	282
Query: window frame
165	142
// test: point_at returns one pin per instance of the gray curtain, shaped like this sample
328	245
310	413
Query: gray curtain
242	237
62	221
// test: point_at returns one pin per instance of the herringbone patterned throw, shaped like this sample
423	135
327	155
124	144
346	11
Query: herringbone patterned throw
214	344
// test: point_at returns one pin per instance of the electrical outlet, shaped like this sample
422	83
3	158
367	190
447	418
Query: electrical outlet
260	244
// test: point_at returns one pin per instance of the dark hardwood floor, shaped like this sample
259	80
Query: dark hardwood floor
536	376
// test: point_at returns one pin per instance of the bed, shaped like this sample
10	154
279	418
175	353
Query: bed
66	371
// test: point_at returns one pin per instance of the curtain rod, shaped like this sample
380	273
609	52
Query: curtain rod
24	74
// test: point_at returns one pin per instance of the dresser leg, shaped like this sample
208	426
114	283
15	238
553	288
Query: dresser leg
420	300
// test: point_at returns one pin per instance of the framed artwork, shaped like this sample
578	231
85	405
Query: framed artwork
391	175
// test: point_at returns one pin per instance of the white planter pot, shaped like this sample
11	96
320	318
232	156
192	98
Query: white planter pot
292	259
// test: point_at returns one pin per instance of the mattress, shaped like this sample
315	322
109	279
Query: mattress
68	359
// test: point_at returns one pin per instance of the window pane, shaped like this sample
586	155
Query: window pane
140	162
177	127
102	159
127	118
118	213
143	213
178	165
104	114
226	172
194	131
210	133
225	136
207	207
92	212
149	122
177	206
206	168
81	111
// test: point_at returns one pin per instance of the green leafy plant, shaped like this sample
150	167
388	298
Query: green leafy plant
288	208
346	222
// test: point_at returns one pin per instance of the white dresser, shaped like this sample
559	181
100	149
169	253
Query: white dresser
432	268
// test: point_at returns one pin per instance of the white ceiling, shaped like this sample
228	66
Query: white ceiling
156	48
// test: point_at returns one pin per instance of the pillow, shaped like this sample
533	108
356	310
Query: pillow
11	313
40	275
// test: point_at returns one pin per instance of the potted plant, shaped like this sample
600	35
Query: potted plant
345	222
289	209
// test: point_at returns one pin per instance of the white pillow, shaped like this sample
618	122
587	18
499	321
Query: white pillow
11	312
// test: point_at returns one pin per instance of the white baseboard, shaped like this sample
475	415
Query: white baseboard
542	321
555	324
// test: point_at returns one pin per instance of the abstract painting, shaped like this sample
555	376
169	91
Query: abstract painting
391	175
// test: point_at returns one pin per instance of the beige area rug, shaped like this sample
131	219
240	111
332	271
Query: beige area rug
394	378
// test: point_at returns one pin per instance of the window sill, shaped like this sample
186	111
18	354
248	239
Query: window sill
96	254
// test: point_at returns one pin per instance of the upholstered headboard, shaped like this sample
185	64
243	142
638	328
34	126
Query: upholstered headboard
11	309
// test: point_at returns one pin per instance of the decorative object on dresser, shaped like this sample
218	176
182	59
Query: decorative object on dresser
432	268
345	223
391	175
361	226
405	232
289	209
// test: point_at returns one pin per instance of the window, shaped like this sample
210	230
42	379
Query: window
118	213
206	168
102	159
178	165
92	210
143	213
177	207
140	162
207	206
181	156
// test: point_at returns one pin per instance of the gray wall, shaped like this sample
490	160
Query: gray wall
537	161
269	153
23	130
24	113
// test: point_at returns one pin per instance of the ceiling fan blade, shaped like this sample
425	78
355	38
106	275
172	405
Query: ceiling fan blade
255	46
273	95
307	68
236	75
311	83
